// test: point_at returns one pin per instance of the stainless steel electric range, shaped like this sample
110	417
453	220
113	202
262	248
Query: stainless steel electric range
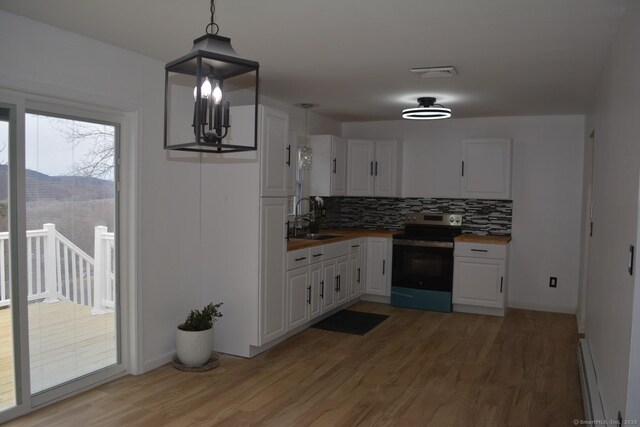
422	274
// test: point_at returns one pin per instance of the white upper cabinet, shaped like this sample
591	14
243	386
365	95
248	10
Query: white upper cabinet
372	168
361	158
328	174
486	169
275	152
385	169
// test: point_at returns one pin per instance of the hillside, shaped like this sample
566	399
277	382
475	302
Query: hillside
71	188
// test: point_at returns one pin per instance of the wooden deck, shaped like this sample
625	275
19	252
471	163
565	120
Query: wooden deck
416	368
65	341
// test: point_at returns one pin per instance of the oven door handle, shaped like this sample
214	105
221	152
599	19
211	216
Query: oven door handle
447	245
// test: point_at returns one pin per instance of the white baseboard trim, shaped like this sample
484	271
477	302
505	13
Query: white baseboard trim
376	298
592	401
542	307
462	308
150	365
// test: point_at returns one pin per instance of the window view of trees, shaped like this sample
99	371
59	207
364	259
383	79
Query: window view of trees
70	177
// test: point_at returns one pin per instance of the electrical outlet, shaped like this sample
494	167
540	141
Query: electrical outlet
553	282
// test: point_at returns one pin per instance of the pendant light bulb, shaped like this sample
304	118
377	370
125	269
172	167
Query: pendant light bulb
217	94
205	90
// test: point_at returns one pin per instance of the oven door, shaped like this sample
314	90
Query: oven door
422	265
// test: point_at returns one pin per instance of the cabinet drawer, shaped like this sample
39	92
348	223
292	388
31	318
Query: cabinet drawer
480	250
316	254
334	250
299	258
355	245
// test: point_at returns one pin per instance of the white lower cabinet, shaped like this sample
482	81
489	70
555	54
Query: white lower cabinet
323	278
342	290
378	266
299	295
480	278
357	255
329	284
315	283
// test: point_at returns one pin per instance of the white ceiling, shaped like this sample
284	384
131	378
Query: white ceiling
352	57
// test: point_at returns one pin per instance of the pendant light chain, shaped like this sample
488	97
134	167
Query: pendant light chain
212	24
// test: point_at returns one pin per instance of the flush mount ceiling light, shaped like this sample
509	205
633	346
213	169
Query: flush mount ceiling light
435	72
427	110
196	109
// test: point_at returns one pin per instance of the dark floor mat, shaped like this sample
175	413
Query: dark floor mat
351	322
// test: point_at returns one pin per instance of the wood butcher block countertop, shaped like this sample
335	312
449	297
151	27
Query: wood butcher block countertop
472	238
343	234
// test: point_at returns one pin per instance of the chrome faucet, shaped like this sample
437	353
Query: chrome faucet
309	216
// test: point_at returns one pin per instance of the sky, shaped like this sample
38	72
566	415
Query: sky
48	149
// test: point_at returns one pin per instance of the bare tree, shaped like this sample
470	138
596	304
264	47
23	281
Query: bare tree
99	161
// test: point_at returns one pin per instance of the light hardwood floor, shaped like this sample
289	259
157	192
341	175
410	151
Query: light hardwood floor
415	369
65	341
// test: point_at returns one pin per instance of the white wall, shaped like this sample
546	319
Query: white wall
50	61
610	293
546	191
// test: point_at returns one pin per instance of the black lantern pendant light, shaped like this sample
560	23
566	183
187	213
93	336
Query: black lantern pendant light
427	110
197	112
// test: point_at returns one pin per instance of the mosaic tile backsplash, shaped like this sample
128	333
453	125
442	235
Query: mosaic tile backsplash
478	216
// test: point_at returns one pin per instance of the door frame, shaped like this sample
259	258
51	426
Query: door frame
587	228
57	102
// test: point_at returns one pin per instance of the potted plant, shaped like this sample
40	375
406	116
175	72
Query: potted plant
194	338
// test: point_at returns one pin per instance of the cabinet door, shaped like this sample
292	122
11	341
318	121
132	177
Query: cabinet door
315	283
338	166
329	284
478	281
298	291
362	268
486	169
377	266
273	248
273	144
354	275
342	268
385	169
360	167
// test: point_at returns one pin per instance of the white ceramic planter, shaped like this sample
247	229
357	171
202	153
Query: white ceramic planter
194	347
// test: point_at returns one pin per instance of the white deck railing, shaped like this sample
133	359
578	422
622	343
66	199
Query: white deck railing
59	269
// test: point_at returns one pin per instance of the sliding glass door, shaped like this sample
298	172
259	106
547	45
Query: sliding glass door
60	299
7	357
71	206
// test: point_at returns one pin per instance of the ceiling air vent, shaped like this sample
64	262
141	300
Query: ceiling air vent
435	72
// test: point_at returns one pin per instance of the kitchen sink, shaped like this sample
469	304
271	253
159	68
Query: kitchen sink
313	236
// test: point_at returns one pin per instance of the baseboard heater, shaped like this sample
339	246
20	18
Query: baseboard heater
593	409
